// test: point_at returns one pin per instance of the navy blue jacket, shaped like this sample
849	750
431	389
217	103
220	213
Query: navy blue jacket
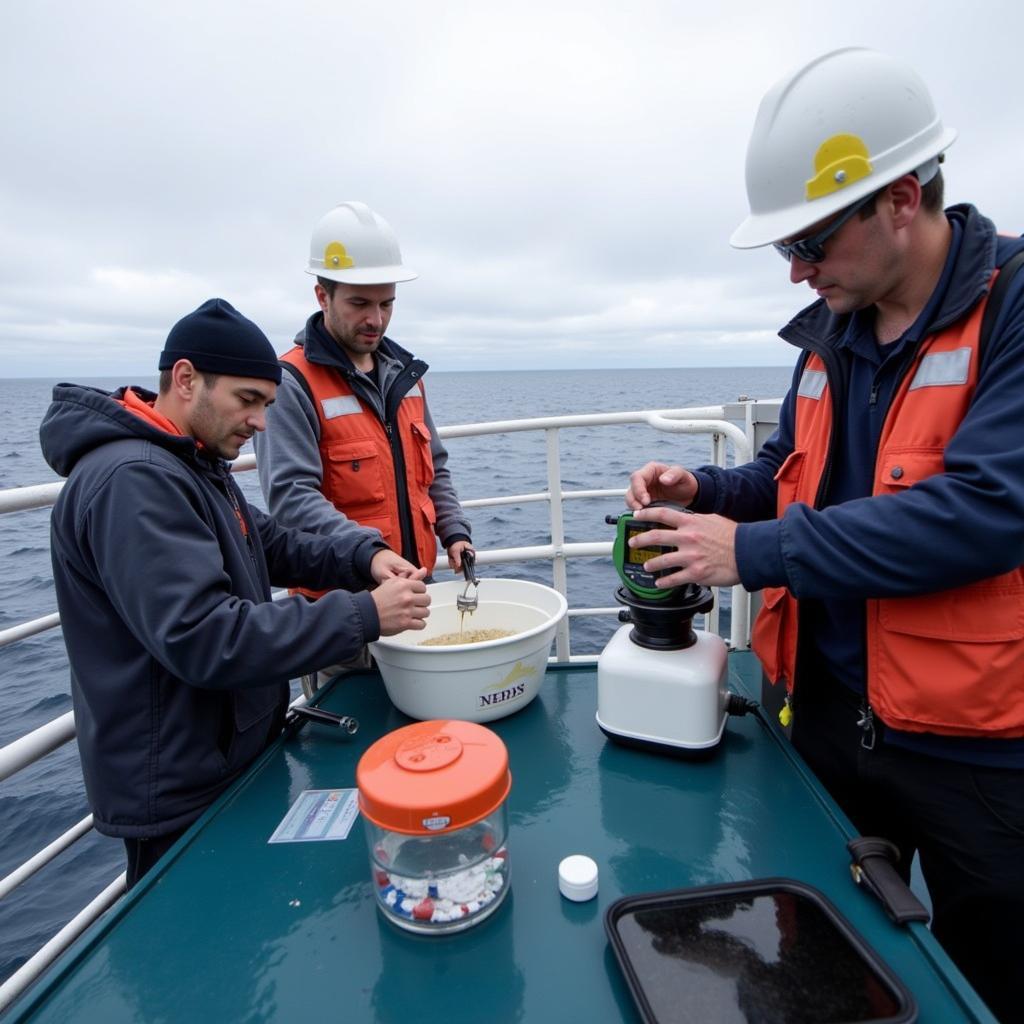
179	659
955	528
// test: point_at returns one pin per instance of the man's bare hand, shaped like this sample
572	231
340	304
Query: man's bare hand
705	548
387	564
658	482
402	603
455	554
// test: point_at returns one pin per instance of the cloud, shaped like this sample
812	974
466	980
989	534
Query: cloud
565	176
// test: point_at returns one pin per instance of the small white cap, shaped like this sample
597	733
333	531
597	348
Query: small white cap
577	878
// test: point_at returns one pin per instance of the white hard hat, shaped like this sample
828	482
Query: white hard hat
833	132
354	245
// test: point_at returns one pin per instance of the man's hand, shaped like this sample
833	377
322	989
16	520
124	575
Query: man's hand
658	482
402	603
386	565
455	554
705	547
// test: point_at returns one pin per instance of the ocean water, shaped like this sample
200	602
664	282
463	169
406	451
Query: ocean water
40	803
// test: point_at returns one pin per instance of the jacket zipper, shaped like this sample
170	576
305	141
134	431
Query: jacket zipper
243	524
835	373
867	718
838	382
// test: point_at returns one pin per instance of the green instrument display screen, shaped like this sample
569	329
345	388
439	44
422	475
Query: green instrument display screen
630	562
637	556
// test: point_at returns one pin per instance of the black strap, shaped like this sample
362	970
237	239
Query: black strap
300	377
995	301
874	868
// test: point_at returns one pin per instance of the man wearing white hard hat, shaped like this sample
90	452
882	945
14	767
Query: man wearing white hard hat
350	443
884	520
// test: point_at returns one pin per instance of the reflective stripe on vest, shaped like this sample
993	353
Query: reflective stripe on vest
950	662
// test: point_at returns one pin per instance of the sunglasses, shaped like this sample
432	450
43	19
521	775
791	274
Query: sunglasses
812	248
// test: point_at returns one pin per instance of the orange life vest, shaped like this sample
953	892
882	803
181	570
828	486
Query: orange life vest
359	472
950	662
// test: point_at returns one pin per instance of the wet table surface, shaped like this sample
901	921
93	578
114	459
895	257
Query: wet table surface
231	928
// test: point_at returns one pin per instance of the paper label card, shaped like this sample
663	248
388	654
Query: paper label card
318	815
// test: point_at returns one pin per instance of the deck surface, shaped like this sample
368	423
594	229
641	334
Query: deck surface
230	928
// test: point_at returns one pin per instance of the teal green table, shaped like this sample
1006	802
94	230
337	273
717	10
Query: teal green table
229	928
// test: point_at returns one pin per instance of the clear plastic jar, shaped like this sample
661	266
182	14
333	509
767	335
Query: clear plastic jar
432	797
440	883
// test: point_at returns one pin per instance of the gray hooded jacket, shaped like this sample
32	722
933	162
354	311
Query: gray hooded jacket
288	454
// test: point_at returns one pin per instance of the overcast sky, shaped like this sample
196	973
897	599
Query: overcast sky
564	176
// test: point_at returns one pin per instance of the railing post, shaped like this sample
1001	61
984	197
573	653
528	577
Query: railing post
745	604
560	576
712	621
718	449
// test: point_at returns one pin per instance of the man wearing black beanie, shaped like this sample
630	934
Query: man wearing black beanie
179	659
218	339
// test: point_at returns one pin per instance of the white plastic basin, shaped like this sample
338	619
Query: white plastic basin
474	682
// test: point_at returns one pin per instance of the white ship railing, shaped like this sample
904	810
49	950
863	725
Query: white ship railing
758	419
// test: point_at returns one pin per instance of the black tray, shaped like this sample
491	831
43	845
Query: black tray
772	950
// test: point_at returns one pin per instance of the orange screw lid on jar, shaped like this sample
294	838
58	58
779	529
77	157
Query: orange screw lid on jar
433	777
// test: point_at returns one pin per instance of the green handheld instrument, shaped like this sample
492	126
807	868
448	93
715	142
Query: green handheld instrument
629	562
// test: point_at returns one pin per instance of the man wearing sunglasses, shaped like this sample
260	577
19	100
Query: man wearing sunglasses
884	520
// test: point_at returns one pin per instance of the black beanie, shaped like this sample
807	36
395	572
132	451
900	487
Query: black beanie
218	339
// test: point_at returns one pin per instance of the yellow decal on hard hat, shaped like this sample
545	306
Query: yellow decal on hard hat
840	161
336	258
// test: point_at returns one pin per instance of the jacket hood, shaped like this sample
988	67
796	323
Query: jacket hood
81	419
